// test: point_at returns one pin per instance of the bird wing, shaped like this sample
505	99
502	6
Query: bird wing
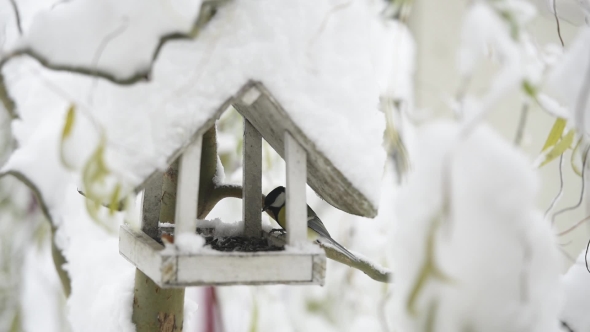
317	226
314	222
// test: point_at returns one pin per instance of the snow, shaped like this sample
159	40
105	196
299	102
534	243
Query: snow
568	81
576	290
328	74
363	258
42	292
102	280
222	229
108	36
552	106
321	72
497	254
189	243
486	32
229	229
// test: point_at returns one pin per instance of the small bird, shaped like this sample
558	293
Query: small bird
274	205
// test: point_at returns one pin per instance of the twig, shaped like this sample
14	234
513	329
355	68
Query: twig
577	205
568	256
582	100
521	124
564	324
383	313
134	78
58	258
17	16
101	47
574	226
557	21
560	192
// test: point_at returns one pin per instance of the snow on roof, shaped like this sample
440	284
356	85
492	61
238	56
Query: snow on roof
324	62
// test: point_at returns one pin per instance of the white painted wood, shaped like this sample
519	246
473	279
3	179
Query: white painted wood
296	159
142	251
188	188
168	268
246	268
252	177
250	96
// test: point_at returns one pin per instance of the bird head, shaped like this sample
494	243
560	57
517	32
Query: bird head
275	199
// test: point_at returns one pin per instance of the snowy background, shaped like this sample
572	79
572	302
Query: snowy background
466	222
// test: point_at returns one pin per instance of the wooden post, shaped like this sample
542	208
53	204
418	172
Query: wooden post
151	203
296	159
154	308
252	177
187	194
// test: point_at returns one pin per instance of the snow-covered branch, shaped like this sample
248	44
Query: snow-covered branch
365	265
90	31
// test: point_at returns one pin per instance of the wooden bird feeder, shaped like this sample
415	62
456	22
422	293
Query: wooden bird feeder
263	118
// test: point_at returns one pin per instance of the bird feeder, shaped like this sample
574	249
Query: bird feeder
300	262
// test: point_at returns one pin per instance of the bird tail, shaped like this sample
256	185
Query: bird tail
341	249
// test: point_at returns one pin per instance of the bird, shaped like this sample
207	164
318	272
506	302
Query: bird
274	205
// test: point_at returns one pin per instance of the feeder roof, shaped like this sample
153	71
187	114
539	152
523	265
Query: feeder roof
256	104
325	65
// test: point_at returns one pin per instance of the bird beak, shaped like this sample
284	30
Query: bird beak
264	208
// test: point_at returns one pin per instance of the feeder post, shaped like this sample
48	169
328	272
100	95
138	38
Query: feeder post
296	159
252	177
151	202
187	193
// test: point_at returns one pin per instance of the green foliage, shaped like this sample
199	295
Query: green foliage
530	89
66	133
431	316
94	179
95	175
512	23
559	148
555	134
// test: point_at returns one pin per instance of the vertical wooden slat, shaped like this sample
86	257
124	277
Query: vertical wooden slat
296	159
188	188
151	202
252	177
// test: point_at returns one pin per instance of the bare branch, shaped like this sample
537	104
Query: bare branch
557	21
521	124
17	16
5	98
574	226
59	259
560	192
207	11
582	100
577	205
